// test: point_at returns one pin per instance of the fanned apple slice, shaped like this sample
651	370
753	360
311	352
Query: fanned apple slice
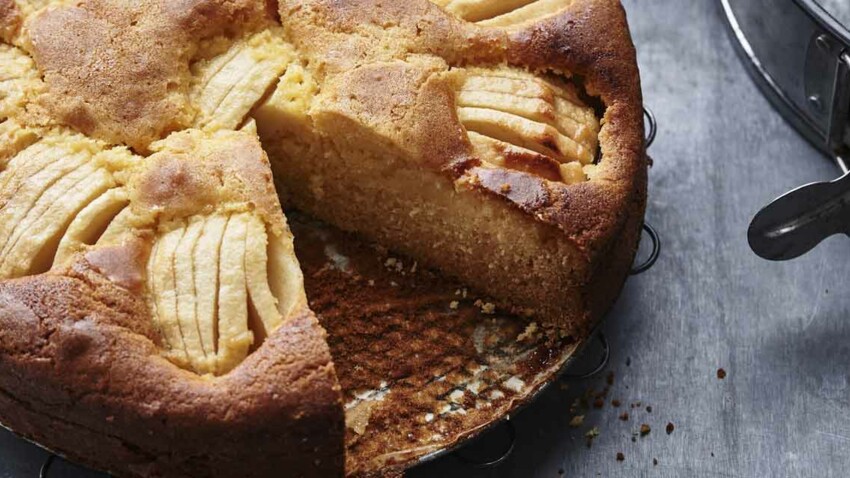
48	197
502	154
206	258
91	224
22	198
477	10
532	11
565	111
163	291
14	138
285	278
234	336
36	253
539	137
33	170
229	85
256	270
523	83
187	307
498	81
117	229
535	109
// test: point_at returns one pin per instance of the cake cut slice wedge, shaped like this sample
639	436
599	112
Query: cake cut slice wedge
179	289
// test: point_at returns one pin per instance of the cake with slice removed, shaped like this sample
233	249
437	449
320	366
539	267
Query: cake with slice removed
153	318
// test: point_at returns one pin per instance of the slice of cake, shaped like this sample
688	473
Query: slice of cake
172	334
490	164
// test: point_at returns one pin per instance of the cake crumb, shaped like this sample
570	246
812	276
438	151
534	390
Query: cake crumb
453	304
414	268
648	409
488	308
624	416
577	421
644	430
391	262
506	188
721	374
528	333
592	433
655	462
598	403
620	456
670	428
610	378
615	403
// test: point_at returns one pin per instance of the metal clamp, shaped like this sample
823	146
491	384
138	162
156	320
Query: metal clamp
653	256
503	455
45	467
653	126
839	113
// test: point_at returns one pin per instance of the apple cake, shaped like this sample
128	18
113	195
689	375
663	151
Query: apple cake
153	313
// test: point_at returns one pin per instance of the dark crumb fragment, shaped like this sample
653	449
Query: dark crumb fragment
624	416
628	361
721	374
620	456
634	439
648	409
610	378
615	403
598	403
655	462
670	428
644	430
712	454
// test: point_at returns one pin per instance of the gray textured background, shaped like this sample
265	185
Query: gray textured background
779	329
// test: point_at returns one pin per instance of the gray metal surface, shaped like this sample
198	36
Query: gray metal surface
839	9
780	330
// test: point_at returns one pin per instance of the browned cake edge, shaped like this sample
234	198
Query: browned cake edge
80	373
602	217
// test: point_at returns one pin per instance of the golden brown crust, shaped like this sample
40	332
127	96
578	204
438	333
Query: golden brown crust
121	73
193	173
10	20
79	373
